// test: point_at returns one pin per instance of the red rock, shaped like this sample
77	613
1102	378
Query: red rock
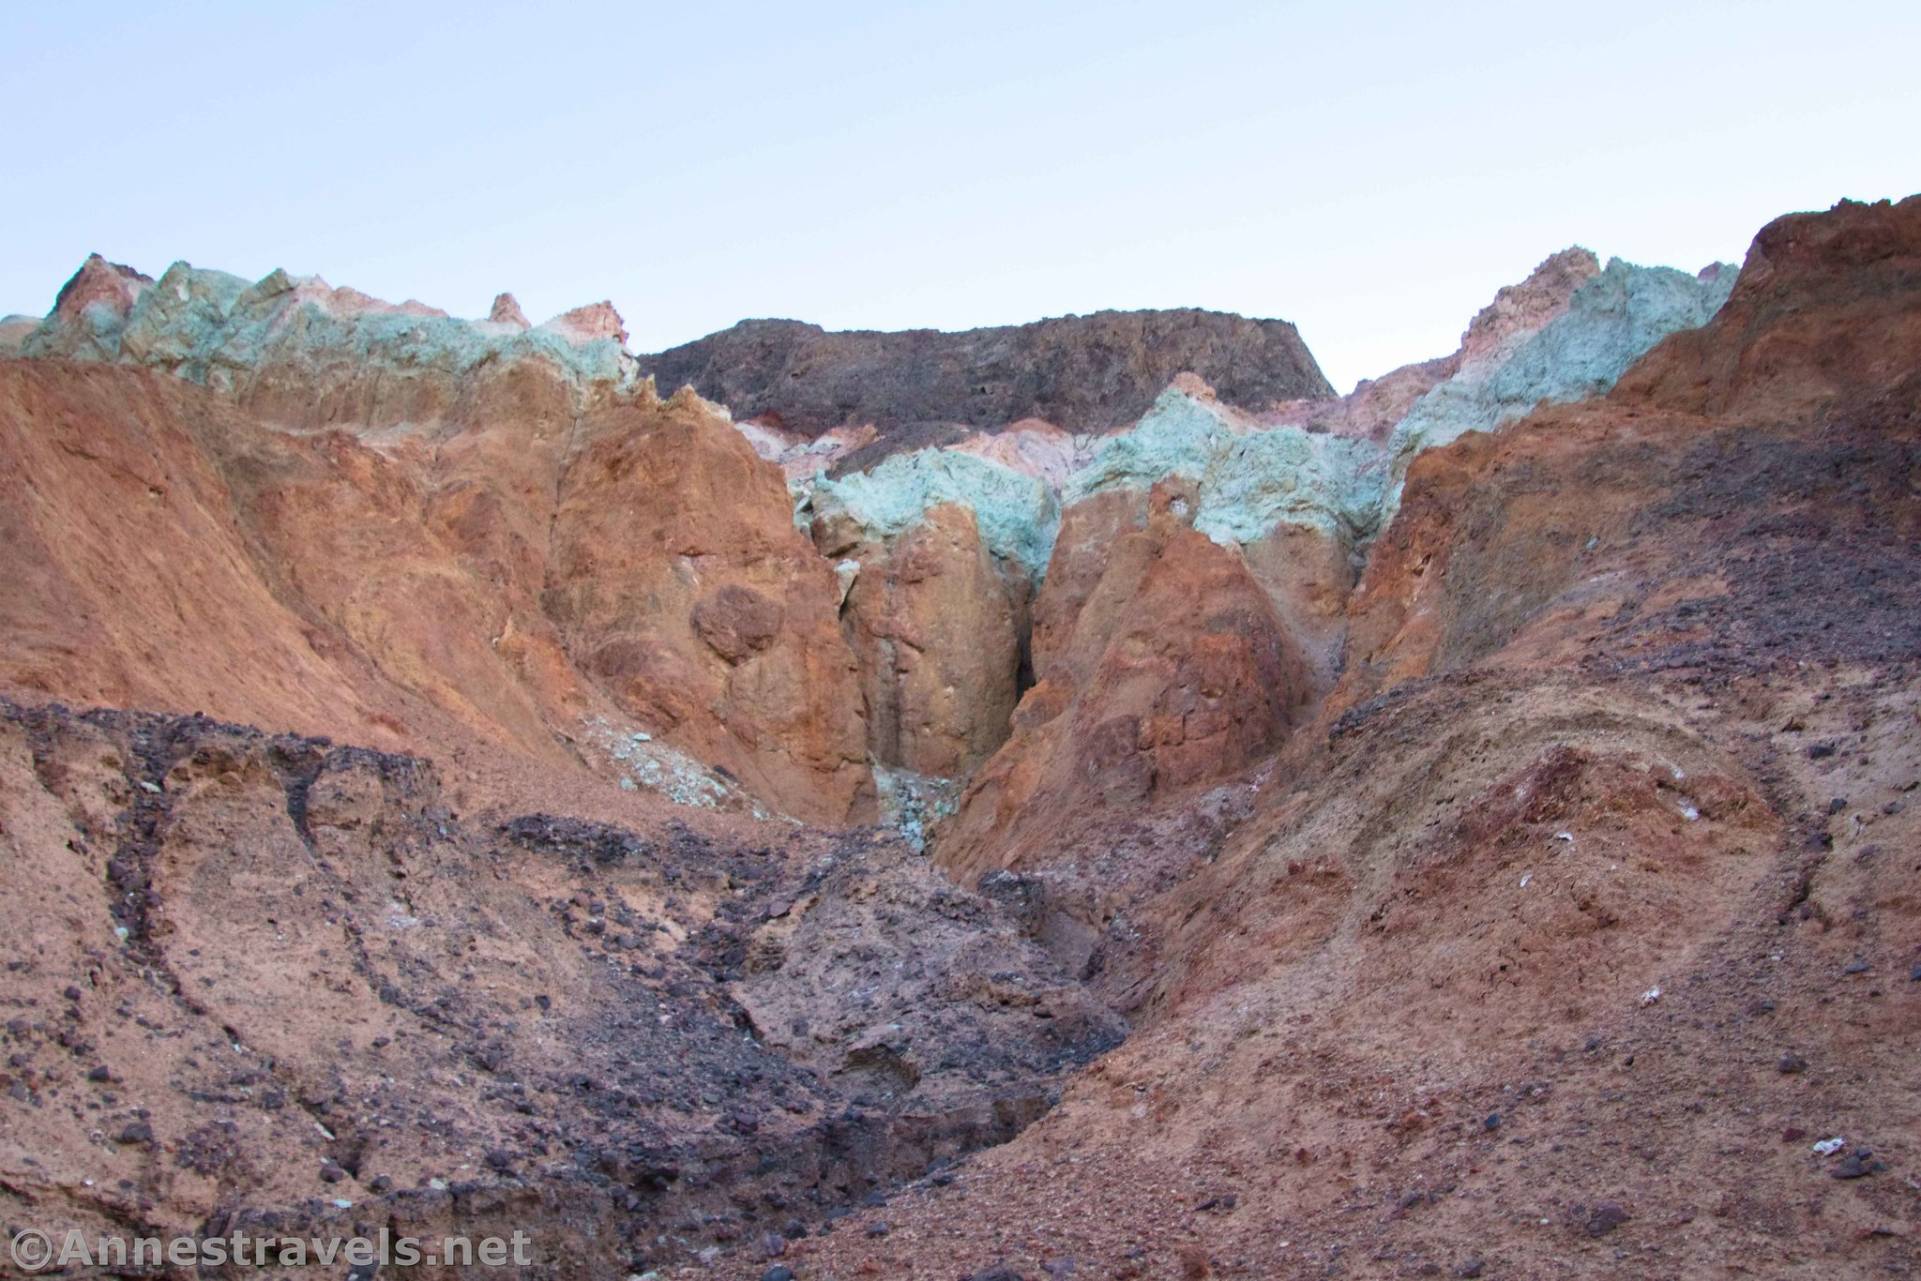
587	324
936	628
1172	671
506	311
673	555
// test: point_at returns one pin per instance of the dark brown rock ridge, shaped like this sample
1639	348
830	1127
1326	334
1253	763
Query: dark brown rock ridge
1082	373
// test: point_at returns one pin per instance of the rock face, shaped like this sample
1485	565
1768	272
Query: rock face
298	352
538	580
1530	347
91	310
1565	515
1466	795
1173	670
679	584
14	331
1821	315
1080	373
1298	491
937	632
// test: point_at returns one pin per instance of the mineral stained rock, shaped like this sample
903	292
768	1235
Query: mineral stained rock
1364	762
1605	672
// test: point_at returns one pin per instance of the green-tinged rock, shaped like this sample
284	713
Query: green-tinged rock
1247	480
1017	514
1611	321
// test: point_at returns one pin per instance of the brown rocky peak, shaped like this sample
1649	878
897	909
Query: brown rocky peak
595	321
100	283
1826	311
1519	310
506	311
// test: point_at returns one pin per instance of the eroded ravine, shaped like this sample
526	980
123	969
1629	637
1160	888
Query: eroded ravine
755	819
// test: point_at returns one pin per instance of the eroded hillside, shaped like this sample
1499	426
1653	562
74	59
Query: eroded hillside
1457	828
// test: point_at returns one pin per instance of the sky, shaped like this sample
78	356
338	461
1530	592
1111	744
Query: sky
1371	171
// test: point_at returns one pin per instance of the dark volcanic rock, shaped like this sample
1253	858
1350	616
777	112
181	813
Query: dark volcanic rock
443	1000
1081	373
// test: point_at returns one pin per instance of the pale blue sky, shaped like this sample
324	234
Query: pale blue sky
1371	171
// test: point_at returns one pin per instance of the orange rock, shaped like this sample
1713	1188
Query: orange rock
680	585
503	579
936	628
1174	670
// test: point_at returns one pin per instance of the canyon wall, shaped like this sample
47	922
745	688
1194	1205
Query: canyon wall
1479	802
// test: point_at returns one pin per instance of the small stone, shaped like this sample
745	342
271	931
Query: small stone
1856	966
1820	751
779	1272
72	994
1492	1123
1605	1218
331	1173
1852	1166
1793	1134
136	1132
1791	1064
773	1245
1058	1268
1838	804
100	1074
1471	1267
1914	973
878	1228
500	1159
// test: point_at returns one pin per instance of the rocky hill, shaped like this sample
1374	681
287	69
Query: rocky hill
1081	373
1070	800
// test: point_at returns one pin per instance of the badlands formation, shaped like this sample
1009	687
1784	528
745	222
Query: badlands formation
1070	800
